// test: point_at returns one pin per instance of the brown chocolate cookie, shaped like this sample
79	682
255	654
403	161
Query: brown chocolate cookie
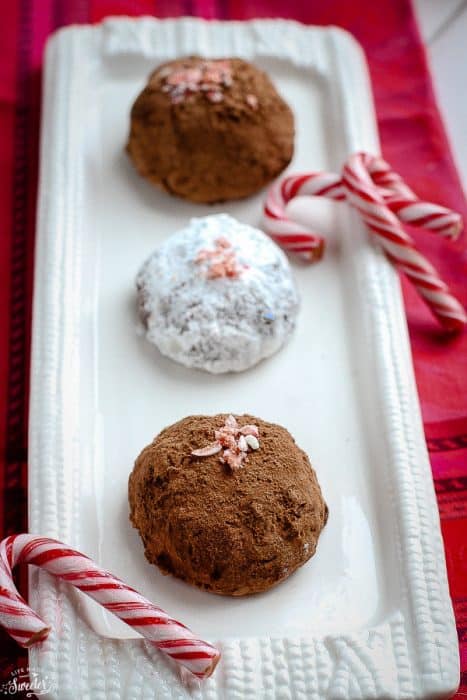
238	516
210	131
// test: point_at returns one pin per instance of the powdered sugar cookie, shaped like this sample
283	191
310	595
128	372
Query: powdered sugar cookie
218	295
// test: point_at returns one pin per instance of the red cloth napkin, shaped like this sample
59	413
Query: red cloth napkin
409	123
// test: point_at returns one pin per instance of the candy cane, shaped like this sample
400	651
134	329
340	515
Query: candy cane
384	201
22	623
401	200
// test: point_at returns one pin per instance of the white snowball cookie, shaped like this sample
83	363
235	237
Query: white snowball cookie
220	324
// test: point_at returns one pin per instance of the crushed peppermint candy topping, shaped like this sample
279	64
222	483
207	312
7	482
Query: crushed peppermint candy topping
221	261
252	101
207	451
208	77
233	441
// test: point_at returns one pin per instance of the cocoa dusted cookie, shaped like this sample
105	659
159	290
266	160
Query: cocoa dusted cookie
210	130
227	503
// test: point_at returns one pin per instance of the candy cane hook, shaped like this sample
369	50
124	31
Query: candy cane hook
384	203
24	625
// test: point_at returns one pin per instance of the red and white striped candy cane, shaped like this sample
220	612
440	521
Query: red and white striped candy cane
24	625
383	201
403	202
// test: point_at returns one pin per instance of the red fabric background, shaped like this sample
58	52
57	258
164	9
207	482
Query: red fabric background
413	141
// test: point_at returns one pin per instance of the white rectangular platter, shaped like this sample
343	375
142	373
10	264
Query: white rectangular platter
369	616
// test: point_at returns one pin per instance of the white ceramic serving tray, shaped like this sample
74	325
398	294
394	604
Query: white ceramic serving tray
369	616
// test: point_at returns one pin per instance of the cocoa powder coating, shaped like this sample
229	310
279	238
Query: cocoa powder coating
229	532
210	141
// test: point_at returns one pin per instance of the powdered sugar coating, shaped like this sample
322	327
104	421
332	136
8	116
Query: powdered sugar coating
224	324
